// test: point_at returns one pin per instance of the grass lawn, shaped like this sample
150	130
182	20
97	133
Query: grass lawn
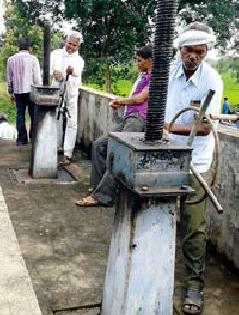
5	105
121	87
231	89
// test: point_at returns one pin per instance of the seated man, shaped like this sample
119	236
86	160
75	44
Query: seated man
134	120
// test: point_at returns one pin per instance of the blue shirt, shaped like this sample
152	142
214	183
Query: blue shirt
225	108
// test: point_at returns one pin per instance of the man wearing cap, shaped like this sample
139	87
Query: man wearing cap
189	82
66	69
23	70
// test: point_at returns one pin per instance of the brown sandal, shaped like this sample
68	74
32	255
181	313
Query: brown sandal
88	202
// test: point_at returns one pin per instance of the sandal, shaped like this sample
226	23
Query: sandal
193	302
66	161
88	202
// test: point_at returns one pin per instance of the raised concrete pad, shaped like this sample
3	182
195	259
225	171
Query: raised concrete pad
16	291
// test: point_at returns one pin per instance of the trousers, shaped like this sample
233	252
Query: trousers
193	236
23	102
101	179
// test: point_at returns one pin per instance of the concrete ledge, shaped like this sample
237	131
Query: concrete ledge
16	292
95	116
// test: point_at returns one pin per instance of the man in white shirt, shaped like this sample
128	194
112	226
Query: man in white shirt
66	68
190	80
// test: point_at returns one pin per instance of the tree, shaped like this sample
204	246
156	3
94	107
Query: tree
221	15
20	23
111	30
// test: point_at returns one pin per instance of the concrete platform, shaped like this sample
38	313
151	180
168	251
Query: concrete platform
65	247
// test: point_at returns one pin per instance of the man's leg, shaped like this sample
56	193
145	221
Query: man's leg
99	155
71	127
193	238
105	191
31	114
20	118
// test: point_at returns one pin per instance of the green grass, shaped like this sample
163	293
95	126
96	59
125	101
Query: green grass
231	89
121	87
5	105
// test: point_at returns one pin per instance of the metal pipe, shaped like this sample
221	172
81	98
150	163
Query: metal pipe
162	53
47	52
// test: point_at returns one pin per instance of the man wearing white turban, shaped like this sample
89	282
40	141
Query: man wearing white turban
189	82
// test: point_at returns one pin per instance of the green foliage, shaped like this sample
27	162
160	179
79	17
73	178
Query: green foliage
18	24
221	15
231	88
5	105
112	30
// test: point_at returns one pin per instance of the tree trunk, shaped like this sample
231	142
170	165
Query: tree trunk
108	79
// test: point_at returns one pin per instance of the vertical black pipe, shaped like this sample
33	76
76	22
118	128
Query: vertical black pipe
47	52
162	54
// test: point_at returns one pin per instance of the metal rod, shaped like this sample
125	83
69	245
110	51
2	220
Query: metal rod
232	117
199	116
162	54
205	186
47	52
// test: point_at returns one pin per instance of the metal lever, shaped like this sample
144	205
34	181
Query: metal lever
205	186
199	116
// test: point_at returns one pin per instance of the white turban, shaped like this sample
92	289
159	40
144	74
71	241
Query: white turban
194	37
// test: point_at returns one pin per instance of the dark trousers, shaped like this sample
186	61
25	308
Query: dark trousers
22	102
102	181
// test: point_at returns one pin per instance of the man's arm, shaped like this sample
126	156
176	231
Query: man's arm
77	68
204	129
135	99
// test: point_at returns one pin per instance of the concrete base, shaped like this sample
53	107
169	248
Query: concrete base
140	268
44	143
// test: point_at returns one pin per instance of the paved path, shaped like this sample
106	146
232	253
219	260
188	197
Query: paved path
16	291
65	247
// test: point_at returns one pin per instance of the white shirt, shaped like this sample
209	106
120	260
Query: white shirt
181	93
60	60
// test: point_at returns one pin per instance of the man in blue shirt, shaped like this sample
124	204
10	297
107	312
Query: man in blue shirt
226	106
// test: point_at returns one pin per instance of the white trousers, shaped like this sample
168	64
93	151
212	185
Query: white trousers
71	126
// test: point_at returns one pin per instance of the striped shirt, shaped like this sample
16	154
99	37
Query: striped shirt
23	70
181	93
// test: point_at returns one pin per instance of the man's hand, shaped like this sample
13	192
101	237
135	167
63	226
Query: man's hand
58	75
69	70
12	99
115	104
